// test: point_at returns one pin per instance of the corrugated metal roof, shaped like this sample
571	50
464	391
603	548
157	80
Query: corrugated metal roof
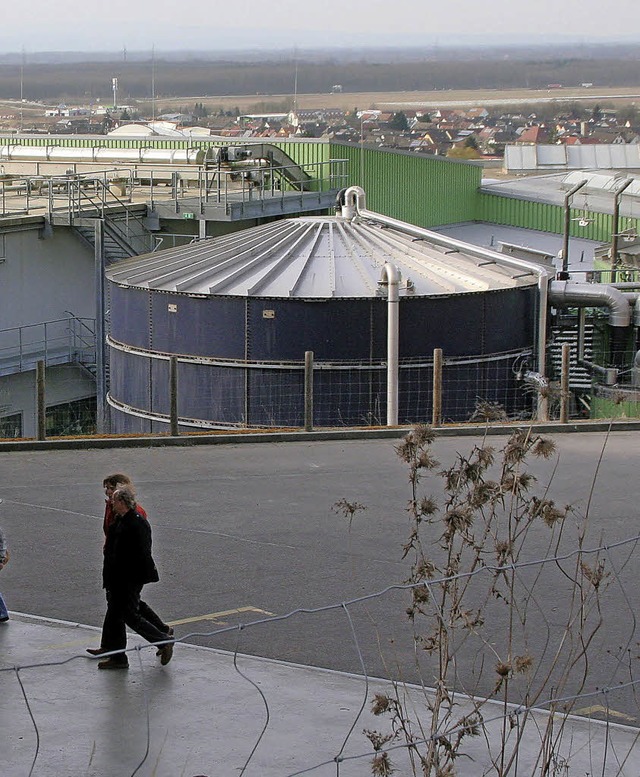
314	257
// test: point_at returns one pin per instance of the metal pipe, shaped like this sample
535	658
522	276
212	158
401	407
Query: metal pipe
391	276
615	233
593	295
354	205
567	224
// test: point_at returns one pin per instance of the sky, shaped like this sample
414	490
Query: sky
73	25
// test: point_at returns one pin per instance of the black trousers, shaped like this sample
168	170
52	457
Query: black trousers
125	608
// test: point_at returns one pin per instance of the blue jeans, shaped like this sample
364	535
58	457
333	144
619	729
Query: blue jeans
3	609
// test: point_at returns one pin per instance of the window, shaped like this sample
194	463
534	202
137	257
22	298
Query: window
77	417
11	426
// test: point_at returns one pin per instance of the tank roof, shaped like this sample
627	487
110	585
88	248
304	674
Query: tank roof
316	258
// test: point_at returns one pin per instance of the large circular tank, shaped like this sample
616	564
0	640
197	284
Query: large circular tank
240	311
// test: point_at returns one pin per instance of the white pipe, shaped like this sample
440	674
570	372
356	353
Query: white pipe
355	201
391	276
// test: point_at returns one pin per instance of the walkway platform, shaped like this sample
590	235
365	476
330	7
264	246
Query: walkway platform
211	713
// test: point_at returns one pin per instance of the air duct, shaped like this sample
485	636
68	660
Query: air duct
594	295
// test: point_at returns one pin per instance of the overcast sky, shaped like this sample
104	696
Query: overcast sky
74	25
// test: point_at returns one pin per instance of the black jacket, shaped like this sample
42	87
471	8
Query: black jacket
127	553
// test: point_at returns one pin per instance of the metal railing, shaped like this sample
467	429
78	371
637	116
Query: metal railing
83	193
61	341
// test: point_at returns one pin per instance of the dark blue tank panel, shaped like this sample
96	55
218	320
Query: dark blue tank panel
349	333
213	393
195	326
282	330
491	322
129	315
131	379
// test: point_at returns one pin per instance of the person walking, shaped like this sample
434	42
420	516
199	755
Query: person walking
110	484
128	565
4	559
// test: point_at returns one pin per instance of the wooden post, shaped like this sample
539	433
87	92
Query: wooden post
41	408
308	391
173	395
437	387
564	384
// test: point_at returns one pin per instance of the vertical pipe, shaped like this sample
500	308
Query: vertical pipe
41	411
564	384
615	231
101	388
436	419
308	391
173	395
391	277
567	223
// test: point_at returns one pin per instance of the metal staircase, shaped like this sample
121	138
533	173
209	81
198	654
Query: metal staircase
579	377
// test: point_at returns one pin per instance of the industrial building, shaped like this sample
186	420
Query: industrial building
118	253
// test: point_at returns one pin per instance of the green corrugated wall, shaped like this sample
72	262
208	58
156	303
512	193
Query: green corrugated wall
495	209
422	190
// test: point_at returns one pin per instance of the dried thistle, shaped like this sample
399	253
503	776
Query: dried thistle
595	575
424	570
459	519
420	595
427	506
516	448
544	448
522	664
503	669
377	739
381	765
488	411
484	492
381	703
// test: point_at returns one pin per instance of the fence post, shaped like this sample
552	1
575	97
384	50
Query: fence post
41	410
564	384
173	395
308	391
437	387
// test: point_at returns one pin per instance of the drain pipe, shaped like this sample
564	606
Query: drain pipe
391	278
354	204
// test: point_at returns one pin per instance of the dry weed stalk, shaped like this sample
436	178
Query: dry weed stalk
474	592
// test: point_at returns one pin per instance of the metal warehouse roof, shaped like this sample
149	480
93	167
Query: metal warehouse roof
315	257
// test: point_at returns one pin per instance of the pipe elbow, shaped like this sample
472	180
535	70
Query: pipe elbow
593	295
354	201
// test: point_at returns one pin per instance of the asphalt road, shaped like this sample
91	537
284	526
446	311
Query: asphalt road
246	533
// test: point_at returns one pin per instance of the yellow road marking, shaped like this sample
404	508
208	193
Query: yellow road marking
214	616
604	711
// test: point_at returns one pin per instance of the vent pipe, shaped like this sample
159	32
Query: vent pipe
353	202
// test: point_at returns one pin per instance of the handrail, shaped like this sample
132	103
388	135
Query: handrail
57	341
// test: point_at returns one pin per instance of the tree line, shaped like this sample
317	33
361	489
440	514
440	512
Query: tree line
92	80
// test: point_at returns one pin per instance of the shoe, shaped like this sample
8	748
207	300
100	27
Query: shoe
169	634
96	651
166	653
4	620
113	663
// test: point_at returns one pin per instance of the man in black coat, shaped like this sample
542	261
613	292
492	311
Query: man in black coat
128	565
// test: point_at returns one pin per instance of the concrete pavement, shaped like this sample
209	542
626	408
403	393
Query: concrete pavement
204	714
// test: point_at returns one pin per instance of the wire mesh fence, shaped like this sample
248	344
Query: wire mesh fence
213	394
